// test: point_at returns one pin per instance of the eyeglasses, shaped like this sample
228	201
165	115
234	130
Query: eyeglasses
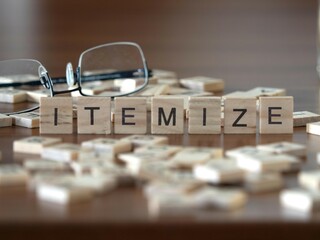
111	70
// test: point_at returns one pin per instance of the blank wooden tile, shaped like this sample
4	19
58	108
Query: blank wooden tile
160	73
63	152
35	95
167	116
219	171
113	146
204	115
220	198
300	199
56	115
191	156
43	165
171	205
265	92
310	179
263	182
264	161
97	184
240	115
34	144
301	118
28	120
291	148
5	121
146	140
202	83
12	175
276	115
154	90
93	115
63	192
8	95
313	128
160	150
130	115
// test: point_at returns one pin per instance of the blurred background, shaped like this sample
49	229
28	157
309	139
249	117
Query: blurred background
265	42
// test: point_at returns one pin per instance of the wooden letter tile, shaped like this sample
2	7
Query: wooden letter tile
94	115
204	115
130	115
56	115
240	115
276	115
167	116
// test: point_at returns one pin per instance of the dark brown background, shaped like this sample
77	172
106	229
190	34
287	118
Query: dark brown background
247	43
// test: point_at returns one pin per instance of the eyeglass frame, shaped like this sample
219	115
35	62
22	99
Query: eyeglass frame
73	79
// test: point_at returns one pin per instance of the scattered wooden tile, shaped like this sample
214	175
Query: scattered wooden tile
159	150
263	182
12	175
34	144
171	205
9	95
204	115
291	148
28	120
240	115
313	128
5	121
167	116
262	162
265	92
94	115
219	171
160	73
276	115
42	165
191	156
146	140
130	115
35	95
64	152
63	192
220	198
310	179
202	83
301	118
56	115
113	146
154	90
300	199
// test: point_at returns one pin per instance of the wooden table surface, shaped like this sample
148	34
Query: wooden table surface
247	43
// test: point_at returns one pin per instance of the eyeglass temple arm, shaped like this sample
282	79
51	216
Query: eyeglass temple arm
95	77
116	75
